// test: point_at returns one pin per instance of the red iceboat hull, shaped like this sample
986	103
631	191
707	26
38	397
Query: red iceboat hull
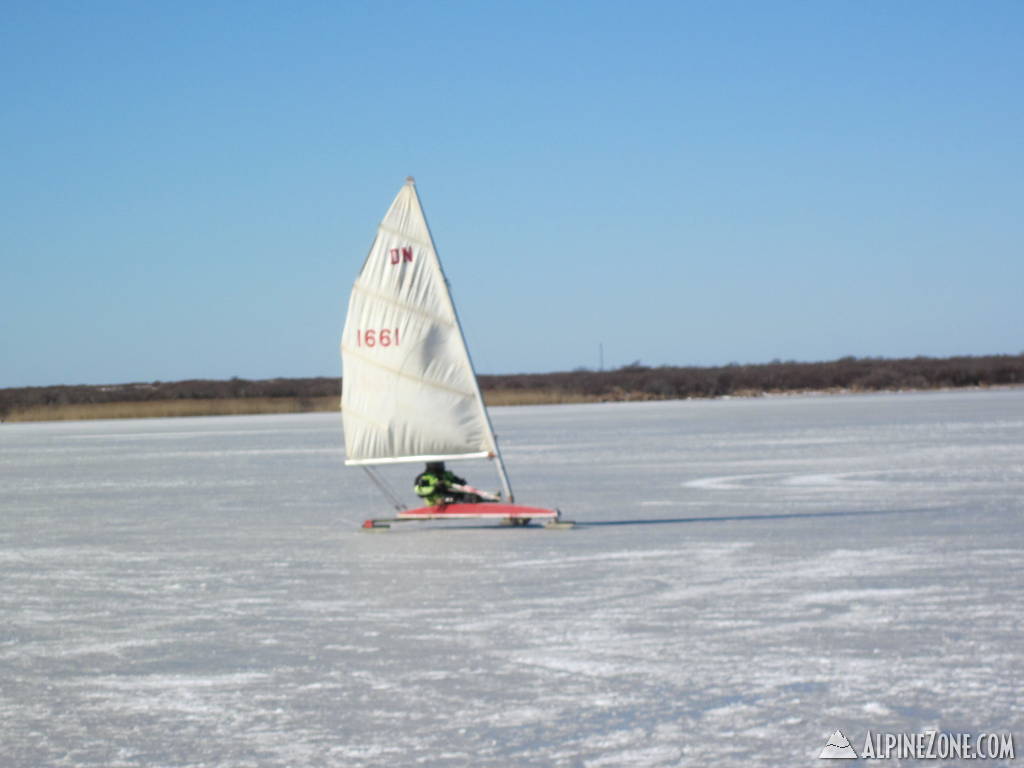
514	514
481	511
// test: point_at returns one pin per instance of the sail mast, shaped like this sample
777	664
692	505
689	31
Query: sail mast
499	462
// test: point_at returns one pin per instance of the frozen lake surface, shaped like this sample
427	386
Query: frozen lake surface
750	576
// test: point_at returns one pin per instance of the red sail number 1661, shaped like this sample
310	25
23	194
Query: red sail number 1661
385	337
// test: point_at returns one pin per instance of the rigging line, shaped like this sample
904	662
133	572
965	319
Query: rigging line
384	488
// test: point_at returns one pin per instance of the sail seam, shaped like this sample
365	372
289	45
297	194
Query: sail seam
401	305
402	374
424	457
406	236
348	410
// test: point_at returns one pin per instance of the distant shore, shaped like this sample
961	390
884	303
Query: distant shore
628	383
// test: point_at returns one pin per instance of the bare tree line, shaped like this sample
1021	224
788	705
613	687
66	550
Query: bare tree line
634	381
848	373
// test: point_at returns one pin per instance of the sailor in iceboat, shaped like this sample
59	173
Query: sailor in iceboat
438	486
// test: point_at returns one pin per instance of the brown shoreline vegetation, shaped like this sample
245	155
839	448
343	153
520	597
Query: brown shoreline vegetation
631	382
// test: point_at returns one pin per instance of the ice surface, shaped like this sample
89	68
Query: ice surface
750	575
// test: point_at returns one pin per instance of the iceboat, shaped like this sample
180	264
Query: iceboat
409	390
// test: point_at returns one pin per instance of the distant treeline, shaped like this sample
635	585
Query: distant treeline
194	389
847	374
631	382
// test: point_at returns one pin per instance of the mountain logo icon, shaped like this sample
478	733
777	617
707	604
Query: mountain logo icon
838	748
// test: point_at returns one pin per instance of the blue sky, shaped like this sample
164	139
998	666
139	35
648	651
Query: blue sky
188	189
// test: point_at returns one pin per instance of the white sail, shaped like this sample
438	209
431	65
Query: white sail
409	392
